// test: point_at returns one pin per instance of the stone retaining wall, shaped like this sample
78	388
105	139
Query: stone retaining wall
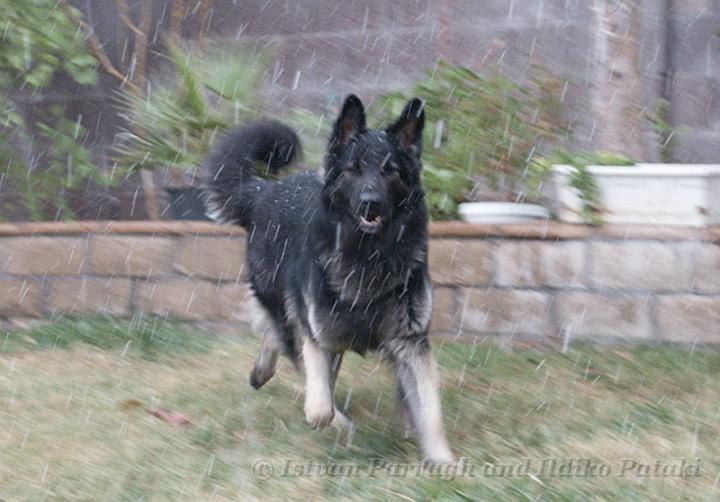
525	281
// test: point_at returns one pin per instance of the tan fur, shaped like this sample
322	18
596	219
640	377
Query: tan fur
319	409
429	417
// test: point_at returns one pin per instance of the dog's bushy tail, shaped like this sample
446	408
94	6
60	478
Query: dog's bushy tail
231	183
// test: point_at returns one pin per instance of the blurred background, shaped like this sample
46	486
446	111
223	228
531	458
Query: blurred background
108	106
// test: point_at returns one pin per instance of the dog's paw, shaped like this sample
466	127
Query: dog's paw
259	377
319	415
439	454
440	458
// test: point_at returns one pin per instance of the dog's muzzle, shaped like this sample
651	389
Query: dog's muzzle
370	213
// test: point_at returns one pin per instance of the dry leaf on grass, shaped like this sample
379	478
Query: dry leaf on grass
164	414
129	405
170	416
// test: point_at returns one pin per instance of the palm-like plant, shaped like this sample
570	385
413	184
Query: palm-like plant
172	125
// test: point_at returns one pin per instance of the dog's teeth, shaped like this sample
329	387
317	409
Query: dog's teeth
371	223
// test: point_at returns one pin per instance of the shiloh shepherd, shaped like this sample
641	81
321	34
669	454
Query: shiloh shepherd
339	262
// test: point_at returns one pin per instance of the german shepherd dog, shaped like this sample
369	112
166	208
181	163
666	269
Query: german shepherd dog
338	263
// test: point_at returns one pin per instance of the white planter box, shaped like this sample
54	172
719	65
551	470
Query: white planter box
668	194
502	212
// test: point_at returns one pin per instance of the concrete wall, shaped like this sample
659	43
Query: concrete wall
693	86
617	58
536	282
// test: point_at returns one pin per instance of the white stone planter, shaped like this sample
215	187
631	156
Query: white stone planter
656	194
502	212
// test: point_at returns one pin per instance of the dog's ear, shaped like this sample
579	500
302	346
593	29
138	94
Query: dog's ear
409	127
350	123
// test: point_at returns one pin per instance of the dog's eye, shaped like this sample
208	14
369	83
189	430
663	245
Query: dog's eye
352	166
391	167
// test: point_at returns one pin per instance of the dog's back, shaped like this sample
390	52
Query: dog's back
274	213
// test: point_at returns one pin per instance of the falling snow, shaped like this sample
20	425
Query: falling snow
573	317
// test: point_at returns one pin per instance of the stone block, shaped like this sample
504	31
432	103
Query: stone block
654	266
691	96
505	311
131	256
20	298
220	258
445	316
314	17
539	264
588	314
706	278
90	295
183	299
689	318
42	255
463	262
237	303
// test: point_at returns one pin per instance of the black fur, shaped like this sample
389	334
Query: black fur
304	235
340	259
232	184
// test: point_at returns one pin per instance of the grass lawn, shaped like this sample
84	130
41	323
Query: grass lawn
75	398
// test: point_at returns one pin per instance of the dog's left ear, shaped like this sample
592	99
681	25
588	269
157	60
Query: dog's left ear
409	127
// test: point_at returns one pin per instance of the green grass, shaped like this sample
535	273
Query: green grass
147	337
74	397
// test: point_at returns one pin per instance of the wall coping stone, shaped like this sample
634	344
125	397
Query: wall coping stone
450	229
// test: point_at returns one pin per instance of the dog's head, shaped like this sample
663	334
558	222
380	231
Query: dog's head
371	175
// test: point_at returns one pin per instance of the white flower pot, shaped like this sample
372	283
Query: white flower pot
502	212
656	194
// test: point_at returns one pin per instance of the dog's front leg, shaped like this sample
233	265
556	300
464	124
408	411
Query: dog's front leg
319	409
419	388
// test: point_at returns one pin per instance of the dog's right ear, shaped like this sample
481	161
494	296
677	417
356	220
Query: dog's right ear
350	123
409	127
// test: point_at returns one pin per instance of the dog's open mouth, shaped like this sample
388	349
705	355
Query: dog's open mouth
370	224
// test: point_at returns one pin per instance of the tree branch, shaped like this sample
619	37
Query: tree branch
97	50
124	13
140	30
178	10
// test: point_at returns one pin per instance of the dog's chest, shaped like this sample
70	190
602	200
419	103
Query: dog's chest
359	284
356	307
342	327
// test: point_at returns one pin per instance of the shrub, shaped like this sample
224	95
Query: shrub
481	127
42	152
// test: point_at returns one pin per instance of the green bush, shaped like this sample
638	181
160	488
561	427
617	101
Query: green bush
42	154
481	127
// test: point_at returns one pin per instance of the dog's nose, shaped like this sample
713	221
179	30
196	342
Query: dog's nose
370	198
370	203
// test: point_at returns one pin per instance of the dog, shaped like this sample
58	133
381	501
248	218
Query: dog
338	262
